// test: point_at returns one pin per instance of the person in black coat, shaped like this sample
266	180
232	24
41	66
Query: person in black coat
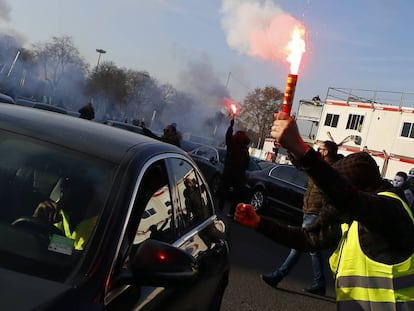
235	166
87	112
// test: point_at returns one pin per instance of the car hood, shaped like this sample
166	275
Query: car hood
24	292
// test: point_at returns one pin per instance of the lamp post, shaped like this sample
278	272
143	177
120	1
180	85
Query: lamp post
100	51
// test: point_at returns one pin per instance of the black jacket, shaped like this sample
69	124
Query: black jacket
386	231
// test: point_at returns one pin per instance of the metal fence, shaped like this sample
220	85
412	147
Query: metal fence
400	99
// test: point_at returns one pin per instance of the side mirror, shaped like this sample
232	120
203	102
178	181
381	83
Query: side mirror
160	264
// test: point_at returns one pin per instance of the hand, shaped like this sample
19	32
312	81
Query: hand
246	215
49	211
286	132
232	122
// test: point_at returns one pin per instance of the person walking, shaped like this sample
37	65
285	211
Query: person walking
312	203
234	171
370	225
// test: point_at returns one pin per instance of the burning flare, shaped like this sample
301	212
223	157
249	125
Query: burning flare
263	30
295	49
232	106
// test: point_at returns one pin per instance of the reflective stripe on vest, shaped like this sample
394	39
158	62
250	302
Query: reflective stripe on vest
364	284
370	305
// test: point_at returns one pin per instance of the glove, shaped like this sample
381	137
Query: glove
232	122
246	216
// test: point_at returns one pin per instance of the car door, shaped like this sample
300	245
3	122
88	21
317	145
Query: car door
160	213
285	192
199	233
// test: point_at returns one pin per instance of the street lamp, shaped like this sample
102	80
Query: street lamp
100	51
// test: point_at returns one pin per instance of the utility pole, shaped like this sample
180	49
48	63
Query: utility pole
100	51
228	79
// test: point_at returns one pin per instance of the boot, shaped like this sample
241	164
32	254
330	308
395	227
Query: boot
273	278
316	290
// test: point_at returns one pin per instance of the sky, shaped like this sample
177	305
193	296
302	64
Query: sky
363	44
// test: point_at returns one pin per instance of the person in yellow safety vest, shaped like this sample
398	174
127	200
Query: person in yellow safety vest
81	233
366	219
69	212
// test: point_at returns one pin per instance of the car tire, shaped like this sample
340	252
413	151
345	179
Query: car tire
258	199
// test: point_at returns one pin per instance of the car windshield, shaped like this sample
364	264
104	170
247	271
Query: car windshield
50	202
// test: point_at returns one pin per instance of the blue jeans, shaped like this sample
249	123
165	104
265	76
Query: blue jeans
294	255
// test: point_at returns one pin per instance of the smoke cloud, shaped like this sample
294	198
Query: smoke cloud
209	93
199	80
5	10
260	30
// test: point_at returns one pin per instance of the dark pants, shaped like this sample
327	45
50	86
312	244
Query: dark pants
233	192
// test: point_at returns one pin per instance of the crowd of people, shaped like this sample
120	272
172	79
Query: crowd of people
363	217
348	207
312	204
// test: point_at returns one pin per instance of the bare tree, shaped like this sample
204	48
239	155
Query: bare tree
58	58
257	111
108	87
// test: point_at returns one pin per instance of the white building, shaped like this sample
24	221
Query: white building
379	122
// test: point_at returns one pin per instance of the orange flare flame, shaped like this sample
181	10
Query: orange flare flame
233	108
295	48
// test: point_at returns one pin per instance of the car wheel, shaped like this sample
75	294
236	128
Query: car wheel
258	199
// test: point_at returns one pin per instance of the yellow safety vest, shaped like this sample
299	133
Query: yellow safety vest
364	284
81	233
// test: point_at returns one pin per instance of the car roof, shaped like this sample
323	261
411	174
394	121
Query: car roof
50	108
4	98
124	125
95	139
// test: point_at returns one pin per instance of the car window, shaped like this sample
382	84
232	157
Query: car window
285	173
193	205
33	176
154	194
206	152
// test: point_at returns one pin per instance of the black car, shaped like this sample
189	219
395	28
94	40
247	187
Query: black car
186	145
189	145
49	107
211	159
125	126
133	223
4	98
278	191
